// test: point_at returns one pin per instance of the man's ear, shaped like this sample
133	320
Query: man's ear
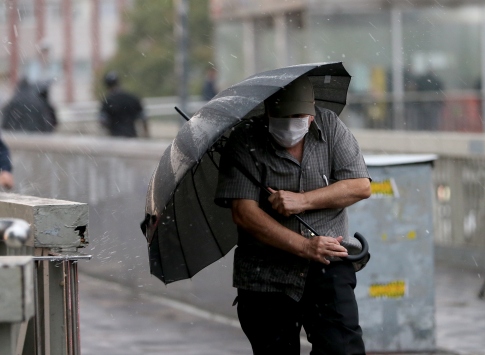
311	119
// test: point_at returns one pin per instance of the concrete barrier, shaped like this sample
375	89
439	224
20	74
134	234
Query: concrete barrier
112	176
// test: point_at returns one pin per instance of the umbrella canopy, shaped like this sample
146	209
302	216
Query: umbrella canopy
186	231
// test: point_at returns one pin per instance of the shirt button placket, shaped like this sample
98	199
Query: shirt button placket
302	171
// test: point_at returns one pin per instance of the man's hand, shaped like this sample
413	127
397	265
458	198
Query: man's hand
286	202
317	248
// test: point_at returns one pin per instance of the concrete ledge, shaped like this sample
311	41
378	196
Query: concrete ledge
441	143
86	145
54	223
375	141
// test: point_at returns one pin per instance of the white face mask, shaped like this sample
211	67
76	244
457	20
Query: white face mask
288	131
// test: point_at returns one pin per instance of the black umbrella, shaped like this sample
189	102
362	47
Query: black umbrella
186	231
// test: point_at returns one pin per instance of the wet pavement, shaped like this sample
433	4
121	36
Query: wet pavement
115	321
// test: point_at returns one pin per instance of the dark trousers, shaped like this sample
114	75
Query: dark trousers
327	311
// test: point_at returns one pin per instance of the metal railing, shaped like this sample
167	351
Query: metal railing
451	110
88	111
54	328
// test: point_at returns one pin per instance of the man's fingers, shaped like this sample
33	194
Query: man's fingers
340	254
320	248
271	190
332	240
333	250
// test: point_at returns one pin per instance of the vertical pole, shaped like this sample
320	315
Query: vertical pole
60	326
482	48
69	307
95	39
41	45
39	20
22	334
121	6
46	307
249	47
68	65
181	62
8	337
39	303
13	21
75	302
397	69
281	33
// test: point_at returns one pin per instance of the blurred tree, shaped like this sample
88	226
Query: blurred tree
146	51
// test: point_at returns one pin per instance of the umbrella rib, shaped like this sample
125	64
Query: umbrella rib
178	236
213	161
203	213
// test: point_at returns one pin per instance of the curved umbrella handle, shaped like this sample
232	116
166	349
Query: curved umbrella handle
365	249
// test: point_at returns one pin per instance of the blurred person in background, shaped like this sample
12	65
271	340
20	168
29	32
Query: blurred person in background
43	89
431	109
26	111
120	110
209	89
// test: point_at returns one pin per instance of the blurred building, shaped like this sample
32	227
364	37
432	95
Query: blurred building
59	40
416	65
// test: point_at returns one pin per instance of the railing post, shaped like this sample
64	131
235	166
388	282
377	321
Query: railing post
16	300
59	229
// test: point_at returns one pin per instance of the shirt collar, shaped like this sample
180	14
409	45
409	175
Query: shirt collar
316	130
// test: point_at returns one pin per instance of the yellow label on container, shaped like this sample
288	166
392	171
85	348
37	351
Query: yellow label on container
411	235
393	289
384	188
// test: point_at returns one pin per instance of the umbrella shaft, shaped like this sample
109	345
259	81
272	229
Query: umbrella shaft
182	113
306	224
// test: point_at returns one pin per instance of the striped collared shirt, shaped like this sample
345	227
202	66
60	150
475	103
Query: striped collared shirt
331	153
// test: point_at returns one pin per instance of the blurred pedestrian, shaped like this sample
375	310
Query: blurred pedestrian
6	177
43	89
26	111
431	109
120	110
287	277
209	88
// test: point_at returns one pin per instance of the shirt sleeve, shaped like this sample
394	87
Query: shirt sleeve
348	162
5	163
232	183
